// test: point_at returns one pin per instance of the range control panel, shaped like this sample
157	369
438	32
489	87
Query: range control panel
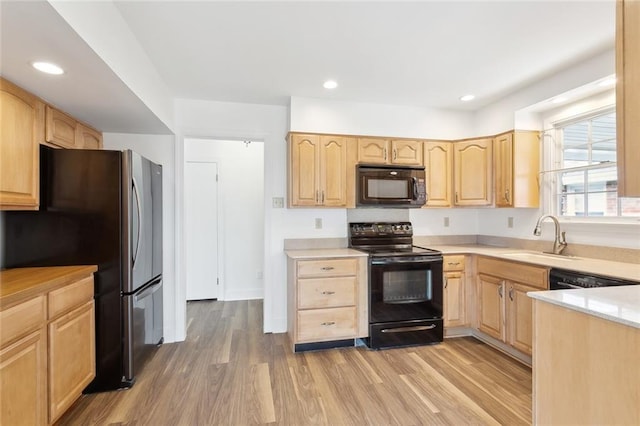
379	229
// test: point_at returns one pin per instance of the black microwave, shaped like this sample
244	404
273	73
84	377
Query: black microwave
390	186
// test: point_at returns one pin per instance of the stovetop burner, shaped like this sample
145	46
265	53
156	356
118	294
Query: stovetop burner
386	239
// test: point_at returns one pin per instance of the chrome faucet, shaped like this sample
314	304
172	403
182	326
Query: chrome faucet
560	243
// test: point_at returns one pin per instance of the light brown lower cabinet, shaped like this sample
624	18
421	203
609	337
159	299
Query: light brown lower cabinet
71	337
454	291
23	381
504	310
47	344
327	300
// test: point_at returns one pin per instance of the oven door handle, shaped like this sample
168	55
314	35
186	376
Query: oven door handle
562	283
408	329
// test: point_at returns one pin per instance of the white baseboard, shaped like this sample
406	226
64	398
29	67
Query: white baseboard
244	294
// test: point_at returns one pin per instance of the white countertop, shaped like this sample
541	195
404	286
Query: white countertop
622	270
326	252
619	304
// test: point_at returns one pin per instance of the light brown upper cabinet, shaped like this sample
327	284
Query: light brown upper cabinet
628	97
64	131
386	151
472	161
317	170
61	129
87	138
21	131
516	166
438	167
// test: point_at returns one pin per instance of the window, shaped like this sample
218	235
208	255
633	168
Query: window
584	179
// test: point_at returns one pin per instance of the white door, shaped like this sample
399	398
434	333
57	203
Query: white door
201	230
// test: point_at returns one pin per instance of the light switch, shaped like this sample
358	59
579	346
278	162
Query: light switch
446	222
318	223
510	222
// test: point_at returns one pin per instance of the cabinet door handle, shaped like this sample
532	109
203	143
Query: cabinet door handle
456	197
395	154
317	196
506	196
322	202
385	154
500	290
329	292
511	294
328	323
327	268
446	282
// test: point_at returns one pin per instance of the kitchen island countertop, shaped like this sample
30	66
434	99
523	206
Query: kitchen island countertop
618	304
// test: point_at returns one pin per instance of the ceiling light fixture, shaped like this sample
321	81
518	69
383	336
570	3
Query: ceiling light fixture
467	98
330	84
48	68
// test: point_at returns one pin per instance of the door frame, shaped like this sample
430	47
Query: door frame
180	287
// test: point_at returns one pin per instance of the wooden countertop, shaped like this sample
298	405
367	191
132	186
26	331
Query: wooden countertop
20	284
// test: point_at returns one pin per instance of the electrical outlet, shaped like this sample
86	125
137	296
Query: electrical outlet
509	222
277	202
259	275
446	222
318	223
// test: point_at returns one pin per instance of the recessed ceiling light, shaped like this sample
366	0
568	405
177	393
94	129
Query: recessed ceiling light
48	68
558	100
611	81
467	98
330	84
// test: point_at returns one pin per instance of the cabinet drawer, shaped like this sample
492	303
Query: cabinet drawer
327	268
453	263
70	296
326	324
526	274
21	319
326	292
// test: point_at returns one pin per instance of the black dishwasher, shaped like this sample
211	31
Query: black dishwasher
562	279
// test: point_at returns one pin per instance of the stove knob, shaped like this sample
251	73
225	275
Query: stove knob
407	227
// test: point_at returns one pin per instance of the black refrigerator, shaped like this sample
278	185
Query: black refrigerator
103	208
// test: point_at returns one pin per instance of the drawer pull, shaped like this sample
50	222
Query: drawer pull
329	292
454	263
407	329
328	323
327	268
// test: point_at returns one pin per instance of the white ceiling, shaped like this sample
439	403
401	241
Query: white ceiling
421	53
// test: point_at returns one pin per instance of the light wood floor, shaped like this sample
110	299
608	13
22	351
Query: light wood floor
228	372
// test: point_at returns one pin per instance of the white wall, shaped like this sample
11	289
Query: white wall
241	212
103	28
159	149
222	120
502	115
357	118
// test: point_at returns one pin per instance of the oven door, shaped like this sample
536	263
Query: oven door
404	288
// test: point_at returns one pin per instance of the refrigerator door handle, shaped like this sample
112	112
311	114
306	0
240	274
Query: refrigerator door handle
137	196
148	291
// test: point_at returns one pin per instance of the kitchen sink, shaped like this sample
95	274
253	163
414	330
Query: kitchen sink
529	255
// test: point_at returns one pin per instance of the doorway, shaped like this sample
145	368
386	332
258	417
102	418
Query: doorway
231	211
